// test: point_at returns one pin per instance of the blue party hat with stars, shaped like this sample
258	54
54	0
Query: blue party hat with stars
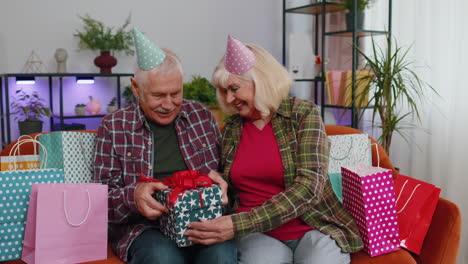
149	55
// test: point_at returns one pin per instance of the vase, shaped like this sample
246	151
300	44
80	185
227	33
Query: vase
111	108
105	62
350	20
93	107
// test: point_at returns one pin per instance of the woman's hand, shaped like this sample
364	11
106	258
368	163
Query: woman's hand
208	232
222	183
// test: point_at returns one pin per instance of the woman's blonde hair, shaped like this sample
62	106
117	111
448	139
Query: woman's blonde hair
271	80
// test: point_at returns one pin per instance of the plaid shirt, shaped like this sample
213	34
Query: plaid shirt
124	147
304	149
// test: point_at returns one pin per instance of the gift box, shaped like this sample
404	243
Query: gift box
187	202
369	196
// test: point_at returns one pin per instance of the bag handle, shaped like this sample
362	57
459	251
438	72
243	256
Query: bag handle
377	152
66	212
43	162
347	154
411	196
15	150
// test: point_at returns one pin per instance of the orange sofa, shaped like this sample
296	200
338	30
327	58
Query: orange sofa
440	246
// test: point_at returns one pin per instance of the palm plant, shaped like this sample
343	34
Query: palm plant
395	86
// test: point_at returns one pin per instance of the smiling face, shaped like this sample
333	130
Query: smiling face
161	97
240	94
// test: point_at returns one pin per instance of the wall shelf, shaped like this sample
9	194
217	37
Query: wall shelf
56	93
319	11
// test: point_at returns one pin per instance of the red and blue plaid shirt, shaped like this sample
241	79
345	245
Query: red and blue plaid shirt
124	147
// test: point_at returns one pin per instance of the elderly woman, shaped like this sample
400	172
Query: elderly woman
275	158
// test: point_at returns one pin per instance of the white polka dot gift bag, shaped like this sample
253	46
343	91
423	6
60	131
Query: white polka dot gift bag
347	150
369	196
71	151
15	187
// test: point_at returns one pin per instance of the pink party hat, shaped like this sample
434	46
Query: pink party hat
238	58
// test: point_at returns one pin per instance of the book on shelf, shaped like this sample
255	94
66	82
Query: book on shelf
363	77
332	83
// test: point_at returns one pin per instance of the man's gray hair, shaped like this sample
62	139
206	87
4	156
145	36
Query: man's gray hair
170	64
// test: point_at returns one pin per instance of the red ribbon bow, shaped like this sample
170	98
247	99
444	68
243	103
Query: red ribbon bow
180	182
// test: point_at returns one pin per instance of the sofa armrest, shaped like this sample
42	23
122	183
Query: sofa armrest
442	241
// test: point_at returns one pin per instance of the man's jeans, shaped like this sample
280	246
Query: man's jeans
152	247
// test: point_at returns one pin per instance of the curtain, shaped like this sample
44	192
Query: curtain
437	150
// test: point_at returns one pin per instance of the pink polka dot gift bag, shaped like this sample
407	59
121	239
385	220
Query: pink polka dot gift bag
369	196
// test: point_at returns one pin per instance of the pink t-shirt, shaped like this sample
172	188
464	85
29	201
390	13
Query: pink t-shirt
258	173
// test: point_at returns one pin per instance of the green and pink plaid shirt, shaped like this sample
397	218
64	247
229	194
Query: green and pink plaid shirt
304	149
124	147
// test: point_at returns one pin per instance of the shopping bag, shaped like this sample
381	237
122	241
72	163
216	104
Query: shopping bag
415	203
15	187
347	150
369	196
71	151
16	161
66	223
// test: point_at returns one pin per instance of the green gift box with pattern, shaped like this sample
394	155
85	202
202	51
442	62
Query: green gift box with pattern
71	151
188	208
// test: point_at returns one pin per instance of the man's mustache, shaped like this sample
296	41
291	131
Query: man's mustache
164	111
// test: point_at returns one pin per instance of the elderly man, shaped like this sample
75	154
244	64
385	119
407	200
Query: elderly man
157	136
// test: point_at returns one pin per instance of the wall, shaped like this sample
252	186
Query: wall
195	30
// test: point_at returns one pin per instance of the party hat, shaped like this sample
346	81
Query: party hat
238	58
149	55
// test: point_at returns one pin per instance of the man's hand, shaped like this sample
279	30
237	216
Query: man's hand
208	232
222	183
146	204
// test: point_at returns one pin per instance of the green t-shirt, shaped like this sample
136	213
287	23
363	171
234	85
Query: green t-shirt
167	156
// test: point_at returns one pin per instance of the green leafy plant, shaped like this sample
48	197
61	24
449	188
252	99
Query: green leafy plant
201	90
29	107
128	94
112	102
96	36
349	4
395	86
80	105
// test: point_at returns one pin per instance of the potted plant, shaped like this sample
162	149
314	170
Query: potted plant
111	107
80	109
128	94
96	36
201	90
348	7
395	87
29	109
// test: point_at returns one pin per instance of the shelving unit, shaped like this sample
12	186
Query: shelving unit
58	115
319	10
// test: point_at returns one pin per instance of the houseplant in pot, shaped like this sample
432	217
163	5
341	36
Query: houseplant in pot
348	7
128	94
397	91
80	109
201	90
112	106
96	36
29	109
